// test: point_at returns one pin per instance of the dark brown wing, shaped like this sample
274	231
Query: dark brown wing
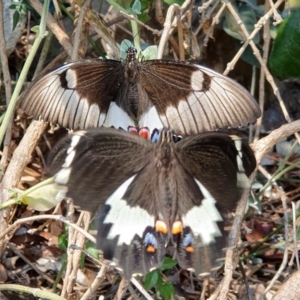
219	166
192	99
77	95
220	162
92	164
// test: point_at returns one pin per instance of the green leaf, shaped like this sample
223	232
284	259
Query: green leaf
35	29
150	52
92	250
168	264
151	279
62	242
170	2
125	44
285	54
166	290
16	18
136	7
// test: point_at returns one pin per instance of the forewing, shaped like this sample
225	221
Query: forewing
78	95
192	99
93	164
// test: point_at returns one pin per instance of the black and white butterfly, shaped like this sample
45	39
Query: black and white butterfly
151	193
154	93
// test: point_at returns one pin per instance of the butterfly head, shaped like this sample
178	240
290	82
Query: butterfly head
131	54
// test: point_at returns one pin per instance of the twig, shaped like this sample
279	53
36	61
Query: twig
262	63
262	79
40	36
79	30
21	157
37	293
23	257
43	55
262	146
7	86
295	236
286	248
50	217
95	284
53	25
140	288
257	28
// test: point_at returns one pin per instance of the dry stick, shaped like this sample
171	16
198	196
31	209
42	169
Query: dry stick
7	86
262	63
170	25
231	254
215	21
295	239
44	54
37	293
80	242
262	79
55	28
25	259
46	217
167	30
257	28
71	240
262	146
95	284
207	16
276	15
286	248
79	30
133	18
180	36
100	29
21	157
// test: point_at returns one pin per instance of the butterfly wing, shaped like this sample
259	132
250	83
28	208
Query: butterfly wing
192	99
79	95
127	224
92	164
219	166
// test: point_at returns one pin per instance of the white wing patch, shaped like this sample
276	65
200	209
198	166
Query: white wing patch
151	120
63	175
116	117
242	179
203	219
71	79
127	221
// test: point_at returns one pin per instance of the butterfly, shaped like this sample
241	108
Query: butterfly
146	194
153	93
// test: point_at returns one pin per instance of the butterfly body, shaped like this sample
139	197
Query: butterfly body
154	93
148	194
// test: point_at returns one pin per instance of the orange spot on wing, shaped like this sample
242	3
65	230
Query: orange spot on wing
177	227
161	226
150	249
189	249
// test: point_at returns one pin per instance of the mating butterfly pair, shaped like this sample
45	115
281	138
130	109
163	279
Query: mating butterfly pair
149	193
